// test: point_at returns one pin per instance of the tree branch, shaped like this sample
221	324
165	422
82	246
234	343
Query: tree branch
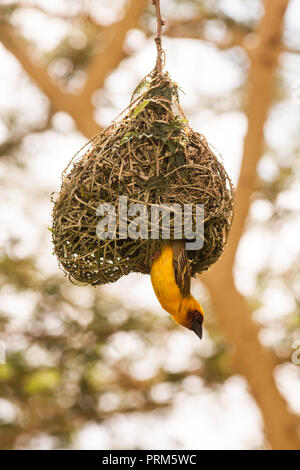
15	140
109	58
106	59
252	360
160	24
60	100
195	29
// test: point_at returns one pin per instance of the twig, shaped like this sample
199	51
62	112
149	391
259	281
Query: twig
160	24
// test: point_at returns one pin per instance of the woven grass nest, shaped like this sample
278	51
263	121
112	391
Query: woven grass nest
152	156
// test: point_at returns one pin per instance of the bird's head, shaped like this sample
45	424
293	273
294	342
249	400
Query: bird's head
190	315
195	321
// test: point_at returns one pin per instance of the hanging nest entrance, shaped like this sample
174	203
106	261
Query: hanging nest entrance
153	157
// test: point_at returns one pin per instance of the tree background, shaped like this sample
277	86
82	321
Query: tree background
106	368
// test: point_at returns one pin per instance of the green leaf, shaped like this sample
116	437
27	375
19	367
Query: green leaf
84	192
139	88
156	182
6	372
42	381
126	138
140	108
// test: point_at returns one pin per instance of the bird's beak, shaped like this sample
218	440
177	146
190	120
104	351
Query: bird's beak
197	327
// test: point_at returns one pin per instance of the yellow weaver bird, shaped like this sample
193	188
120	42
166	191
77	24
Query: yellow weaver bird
171	281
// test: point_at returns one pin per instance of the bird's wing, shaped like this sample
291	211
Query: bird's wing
181	265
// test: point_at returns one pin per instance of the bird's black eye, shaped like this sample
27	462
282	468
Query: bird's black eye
197	322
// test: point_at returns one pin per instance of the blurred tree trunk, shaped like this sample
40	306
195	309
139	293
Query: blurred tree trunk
102	63
251	358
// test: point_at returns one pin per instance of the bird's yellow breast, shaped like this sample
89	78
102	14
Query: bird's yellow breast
164	283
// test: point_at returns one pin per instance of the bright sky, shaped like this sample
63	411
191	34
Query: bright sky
223	418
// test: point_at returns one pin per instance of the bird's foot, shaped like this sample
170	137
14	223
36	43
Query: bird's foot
155	256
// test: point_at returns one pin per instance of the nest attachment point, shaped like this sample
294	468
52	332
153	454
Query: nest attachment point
153	157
